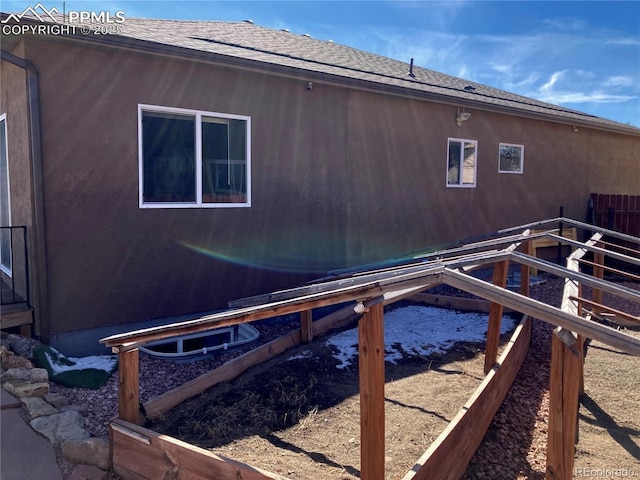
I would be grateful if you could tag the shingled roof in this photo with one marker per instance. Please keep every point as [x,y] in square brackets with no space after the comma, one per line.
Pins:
[282,52]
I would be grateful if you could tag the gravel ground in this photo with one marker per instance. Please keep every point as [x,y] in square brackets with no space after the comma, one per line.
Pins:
[515,445]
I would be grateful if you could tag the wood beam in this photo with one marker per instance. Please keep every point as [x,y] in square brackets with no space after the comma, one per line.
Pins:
[598,272]
[564,389]
[500,271]
[140,454]
[525,271]
[585,279]
[128,388]
[161,404]
[608,253]
[542,311]
[371,372]
[306,326]
[598,308]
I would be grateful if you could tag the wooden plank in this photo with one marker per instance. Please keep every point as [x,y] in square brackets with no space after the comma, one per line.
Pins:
[243,315]
[544,242]
[598,307]
[449,455]
[622,273]
[16,319]
[555,445]
[547,313]
[306,326]
[585,279]
[608,253]
[371,374]
[128,388]
[598,272]
[161,404]
[454,303]
[565,385]
[525,271]
[339,318]
[420,278]
[140,453]
[500,271]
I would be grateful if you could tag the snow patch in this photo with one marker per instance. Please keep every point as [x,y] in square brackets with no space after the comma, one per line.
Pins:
[419,330]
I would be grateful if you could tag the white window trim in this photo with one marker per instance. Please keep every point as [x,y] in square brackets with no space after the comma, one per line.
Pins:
[521,158]
[475,166]
[198,114]
[8,270]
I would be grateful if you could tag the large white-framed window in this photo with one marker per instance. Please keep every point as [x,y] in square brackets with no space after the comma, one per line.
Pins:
[462,162]
[193,159]
[5,198]
[511,158]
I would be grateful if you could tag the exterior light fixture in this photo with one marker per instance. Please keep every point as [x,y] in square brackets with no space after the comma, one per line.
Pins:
[575,129]
[462,117]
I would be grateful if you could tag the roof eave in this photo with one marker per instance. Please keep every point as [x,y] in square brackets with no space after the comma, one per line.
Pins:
[138,45]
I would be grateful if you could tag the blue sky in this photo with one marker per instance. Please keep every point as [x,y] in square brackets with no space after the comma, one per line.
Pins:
[584,55]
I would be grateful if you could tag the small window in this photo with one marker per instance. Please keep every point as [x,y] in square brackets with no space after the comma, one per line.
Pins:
[511,158]
[461,163]
[193,159]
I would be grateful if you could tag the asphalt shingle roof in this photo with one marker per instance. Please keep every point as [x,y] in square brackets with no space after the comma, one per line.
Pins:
[301,53]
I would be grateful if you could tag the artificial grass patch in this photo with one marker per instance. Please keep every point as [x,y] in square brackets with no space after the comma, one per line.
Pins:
[74,372]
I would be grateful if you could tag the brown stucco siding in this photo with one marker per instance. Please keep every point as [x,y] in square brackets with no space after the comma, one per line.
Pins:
[340,177]
[13,103]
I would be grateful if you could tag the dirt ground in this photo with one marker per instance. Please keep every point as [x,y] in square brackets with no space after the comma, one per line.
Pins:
[609,414]
[300,418]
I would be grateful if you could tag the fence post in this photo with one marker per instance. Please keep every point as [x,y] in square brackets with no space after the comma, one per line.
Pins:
[500,271]
[128,387]
[371,373]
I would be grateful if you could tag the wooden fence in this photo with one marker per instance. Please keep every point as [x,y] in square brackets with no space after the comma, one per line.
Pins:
[617,212]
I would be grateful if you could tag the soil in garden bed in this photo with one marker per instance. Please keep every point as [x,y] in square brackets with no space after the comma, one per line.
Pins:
[298,415]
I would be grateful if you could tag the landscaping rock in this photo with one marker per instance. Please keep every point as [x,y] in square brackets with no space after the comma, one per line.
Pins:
[56,399]
[37,407]
[81,409]
[22,345]
[91,451]
[33,375]
[61,427]
[5,350]
[22,388]
[88,472]
[17,362]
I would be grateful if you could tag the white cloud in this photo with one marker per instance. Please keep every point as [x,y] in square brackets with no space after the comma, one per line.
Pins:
[583,97]
[618,81]
[566,24]
[568,86]
[555,77]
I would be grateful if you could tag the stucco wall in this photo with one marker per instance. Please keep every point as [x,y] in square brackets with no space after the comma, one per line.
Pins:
[13,103]
[340,177]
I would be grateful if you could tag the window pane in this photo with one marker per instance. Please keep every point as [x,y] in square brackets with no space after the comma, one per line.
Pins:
[224,173]
[168,158]
[453,167]
[510,158]
[469,168]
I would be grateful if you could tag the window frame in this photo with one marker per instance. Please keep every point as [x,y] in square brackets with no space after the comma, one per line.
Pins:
[4,157]
[198,160]
[460,183]
[521,169]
